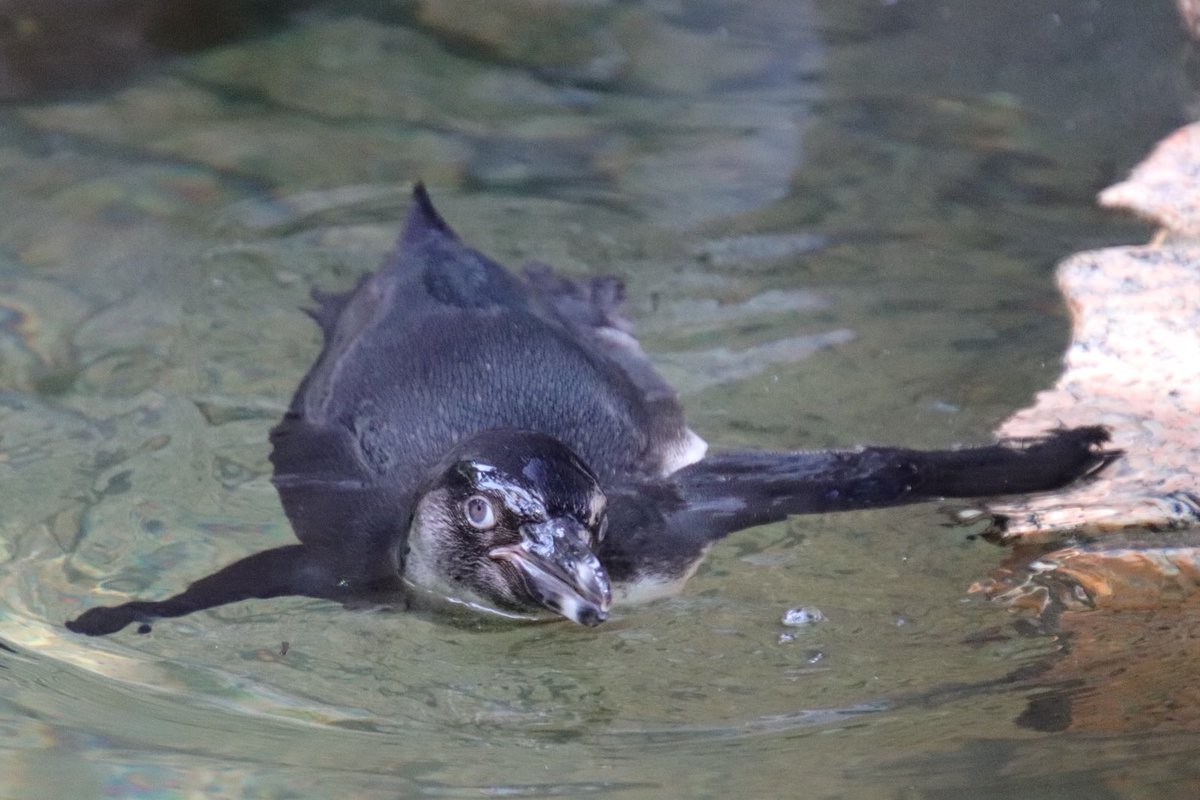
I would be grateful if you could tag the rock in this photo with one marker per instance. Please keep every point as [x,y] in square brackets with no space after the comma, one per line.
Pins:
[1133,365]
[1165,188]
[567,39]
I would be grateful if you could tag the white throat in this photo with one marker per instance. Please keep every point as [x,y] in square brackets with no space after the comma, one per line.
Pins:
[422,566]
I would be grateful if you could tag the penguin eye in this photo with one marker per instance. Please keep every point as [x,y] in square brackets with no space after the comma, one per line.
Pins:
[479,513]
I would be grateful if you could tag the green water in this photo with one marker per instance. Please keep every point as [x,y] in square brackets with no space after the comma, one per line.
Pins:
[838,223]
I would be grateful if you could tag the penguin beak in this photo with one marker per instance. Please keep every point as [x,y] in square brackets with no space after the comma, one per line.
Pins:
[559,570]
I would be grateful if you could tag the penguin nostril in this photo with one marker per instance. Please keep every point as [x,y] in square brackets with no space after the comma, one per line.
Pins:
[592,617]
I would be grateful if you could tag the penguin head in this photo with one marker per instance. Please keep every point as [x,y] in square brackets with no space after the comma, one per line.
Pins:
[511,520]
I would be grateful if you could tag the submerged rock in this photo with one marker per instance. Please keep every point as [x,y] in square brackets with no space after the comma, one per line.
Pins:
[53,46]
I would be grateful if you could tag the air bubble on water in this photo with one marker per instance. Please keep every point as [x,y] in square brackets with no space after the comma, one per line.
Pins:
[802,617]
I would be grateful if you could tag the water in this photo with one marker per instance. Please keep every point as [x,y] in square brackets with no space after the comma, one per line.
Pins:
[838,223]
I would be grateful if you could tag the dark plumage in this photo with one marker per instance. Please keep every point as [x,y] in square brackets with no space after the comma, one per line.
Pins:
[505,443]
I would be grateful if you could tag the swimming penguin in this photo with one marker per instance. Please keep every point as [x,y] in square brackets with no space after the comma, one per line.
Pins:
[505,444]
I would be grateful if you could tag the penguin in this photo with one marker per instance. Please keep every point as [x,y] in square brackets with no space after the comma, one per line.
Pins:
[503,443]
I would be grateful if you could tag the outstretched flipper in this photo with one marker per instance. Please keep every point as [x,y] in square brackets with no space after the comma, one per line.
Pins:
[283,571]
[727,492]
[677,519]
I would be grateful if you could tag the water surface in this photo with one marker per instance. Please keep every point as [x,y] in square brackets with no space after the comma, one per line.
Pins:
[838,223]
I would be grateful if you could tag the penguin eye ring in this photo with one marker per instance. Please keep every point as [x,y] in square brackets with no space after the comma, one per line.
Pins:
[479,513]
